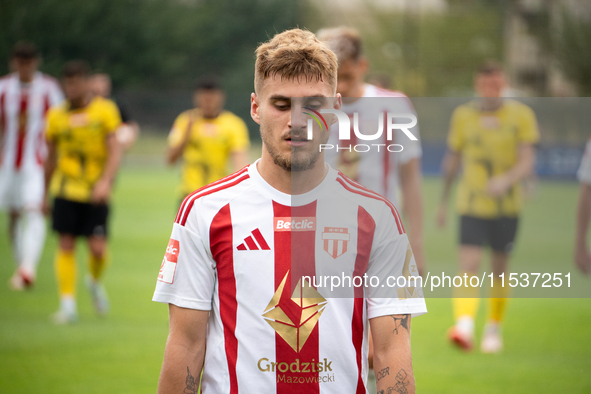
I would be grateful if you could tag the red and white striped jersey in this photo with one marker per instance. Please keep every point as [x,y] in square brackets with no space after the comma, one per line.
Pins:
[242,250]
[22,119]
[376,170]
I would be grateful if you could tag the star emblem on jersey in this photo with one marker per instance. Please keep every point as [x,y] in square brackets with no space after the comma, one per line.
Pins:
[294,317]
[335,240]
[255,241]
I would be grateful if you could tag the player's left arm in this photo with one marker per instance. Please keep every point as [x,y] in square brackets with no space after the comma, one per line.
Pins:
[526,158]
[102,188]
[528,136]
[412,203]
[392,361]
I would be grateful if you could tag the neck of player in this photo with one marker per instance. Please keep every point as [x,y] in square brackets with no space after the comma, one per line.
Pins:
[291,182]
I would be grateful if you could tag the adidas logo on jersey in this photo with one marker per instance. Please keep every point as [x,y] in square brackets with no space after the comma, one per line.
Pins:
[255,241]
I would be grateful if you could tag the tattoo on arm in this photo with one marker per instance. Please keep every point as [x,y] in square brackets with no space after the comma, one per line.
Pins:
[381,374]
[400,322]
[401,383]
[191,385]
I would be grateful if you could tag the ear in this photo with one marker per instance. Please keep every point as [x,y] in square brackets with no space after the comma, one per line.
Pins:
[254,108]
[337,103]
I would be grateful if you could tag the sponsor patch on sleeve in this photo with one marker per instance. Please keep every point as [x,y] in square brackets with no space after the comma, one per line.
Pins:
[168,267]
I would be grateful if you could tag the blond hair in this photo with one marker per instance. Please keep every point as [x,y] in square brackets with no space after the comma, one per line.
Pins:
[295,54]
[344,41]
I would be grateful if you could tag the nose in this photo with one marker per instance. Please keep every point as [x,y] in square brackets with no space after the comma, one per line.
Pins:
[298,120]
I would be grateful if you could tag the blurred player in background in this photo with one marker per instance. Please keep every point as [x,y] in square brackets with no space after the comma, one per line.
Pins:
[83,159]
[206,137]
[582,255]
[128,132]
[383,172]
[494,139]
[25,97]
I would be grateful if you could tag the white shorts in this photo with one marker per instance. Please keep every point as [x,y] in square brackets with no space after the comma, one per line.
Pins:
[21,189]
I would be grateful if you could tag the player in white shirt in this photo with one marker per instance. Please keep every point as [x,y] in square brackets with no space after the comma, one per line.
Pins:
[234,274]
[388,173]
[582,255]
[25,97]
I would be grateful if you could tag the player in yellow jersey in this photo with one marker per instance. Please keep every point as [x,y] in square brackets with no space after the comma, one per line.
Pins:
[206,137]
[83,159]
[494,139]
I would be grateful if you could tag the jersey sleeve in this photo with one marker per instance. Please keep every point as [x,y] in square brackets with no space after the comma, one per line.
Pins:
[584,172]
[390,259]
[455,138]
[112,118]
[528,132]
[187,277]
[239,140]
[179,127]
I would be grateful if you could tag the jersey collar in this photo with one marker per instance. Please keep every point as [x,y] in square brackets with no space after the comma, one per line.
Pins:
[288,199]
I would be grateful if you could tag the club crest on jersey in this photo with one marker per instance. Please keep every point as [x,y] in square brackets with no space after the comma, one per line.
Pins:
[168,267]
[294,317]
[335,240]
[294,224]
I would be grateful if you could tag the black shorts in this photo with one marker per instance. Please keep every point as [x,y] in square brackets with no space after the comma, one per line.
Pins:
[79,219]
[499,233]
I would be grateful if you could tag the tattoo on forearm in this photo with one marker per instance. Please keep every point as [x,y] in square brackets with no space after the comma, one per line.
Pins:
[400,322]
[381,374]
[401,383]
[191,385]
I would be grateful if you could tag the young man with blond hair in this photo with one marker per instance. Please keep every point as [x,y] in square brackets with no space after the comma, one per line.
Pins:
[240,245]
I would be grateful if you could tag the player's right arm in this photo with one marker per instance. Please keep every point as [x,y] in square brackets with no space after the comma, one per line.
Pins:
[186,283]
[179,136]
[185,351]
[450,165]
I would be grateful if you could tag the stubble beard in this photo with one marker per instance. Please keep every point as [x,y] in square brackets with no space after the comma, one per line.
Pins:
[296,161]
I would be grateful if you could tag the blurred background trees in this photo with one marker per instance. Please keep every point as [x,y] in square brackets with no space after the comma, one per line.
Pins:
[155,49]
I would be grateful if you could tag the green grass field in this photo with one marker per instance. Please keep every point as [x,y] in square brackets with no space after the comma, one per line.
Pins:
[548,341]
